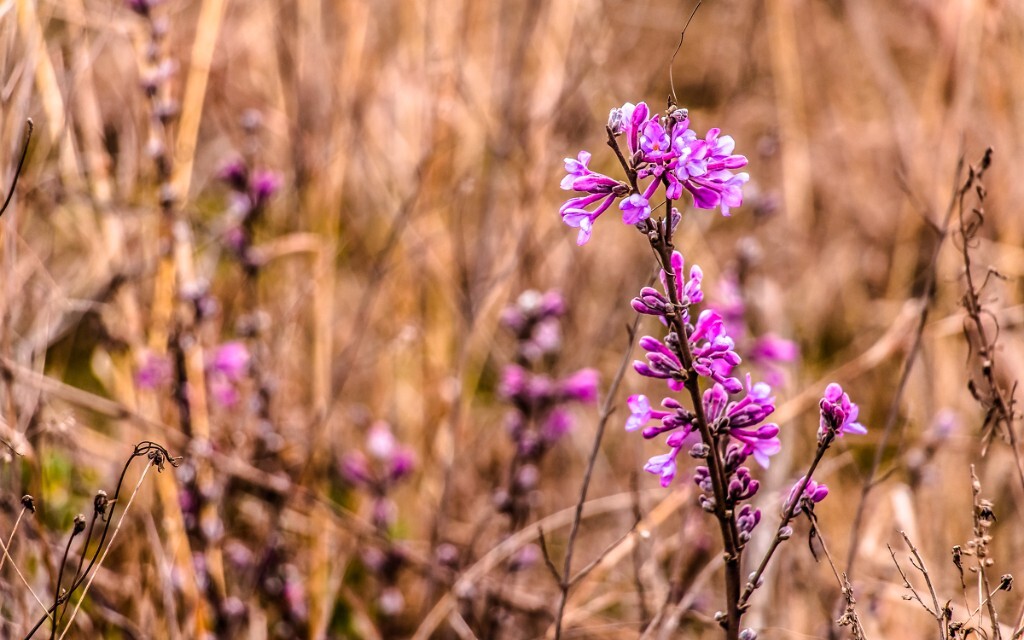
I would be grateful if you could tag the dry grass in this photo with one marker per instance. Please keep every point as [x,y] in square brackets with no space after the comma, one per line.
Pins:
[421,145]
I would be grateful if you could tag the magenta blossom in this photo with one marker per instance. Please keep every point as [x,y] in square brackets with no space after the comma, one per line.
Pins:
[602,192]
[662,151]
[231,360]
[154,371]
[713,351]
[580,386]
[688,292]
[812,494]
[744,419]
[838,414]
[641,412]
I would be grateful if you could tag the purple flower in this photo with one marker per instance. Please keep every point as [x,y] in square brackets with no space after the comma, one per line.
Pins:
[655,303]
[742,485]
[641,412]
[746,519]
[663,466]
[635,208]
[601,191]
[813,493]
[580,386]
[235,173]
[838,414]
[557,423]
[663,150]
[153,372]
[741,417]
[231,360]
[688,291]
[355,468]
[619,117]
[265,183]
[713,351]
[661,363]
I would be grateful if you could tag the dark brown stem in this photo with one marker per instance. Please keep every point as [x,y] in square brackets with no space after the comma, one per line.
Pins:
[716,466]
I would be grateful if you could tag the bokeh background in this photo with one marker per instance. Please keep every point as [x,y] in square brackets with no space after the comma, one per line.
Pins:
[419,146]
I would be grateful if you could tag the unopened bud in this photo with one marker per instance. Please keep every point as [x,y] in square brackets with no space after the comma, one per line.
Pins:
[700,450]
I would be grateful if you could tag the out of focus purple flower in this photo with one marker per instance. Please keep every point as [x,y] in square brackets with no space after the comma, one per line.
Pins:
[380,442]
[580,386]
[534,320]
[391,602]
[838,414]
[525,558]
[235,173]
[513,381]
[265,184]
[383,512]
[142,7]
[154,371]
[813,493]
[384,463]
[944,424]
[557,423]
[223,391]
[231,360]
[355,468]
[402,463]
[768,352]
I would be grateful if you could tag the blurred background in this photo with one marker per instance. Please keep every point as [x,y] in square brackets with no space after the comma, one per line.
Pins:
[262,233]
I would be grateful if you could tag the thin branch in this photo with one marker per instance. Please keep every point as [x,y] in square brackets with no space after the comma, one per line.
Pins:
[6,555]
[606,412]
[92,575]
[892,417]
[672,61]
[849,617]
[29,126]
[917,562]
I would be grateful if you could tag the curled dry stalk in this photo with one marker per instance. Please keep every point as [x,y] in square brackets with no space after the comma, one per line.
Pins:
[978,548]
[941,614]
[997,401]
[157,456]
